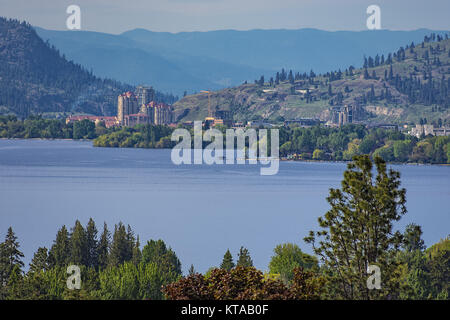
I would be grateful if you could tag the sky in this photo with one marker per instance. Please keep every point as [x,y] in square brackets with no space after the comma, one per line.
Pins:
[117,16]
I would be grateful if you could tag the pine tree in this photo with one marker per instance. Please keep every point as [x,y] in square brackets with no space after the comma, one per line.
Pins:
[137,255]
[40,260]
[14,287]
[165,258]
[244,259]
[121,246]
[103,248]
[10,257]
[366,74]
[358,230]
[227,262]
[291,77]
[78,245]
[91,244]
[191,270]
[60,252]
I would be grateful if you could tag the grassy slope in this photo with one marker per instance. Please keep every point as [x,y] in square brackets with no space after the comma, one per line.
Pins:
[250,100]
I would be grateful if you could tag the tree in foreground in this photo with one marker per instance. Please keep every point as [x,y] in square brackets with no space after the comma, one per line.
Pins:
[227,262]
[242,283]
[164,257]
[358,231]
[10,262]
[244,259]
[289,256]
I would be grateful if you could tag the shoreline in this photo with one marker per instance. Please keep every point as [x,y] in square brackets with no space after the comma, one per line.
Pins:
[281,159]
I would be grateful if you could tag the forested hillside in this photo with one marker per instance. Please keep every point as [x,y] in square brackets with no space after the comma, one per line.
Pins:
[36,78]
[409,85]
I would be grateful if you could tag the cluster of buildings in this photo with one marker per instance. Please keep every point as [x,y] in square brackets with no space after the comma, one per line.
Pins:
[140,108]
[134,108]
[428,129]
[341,115]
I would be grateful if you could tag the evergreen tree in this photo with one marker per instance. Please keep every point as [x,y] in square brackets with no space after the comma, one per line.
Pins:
[78,245]
[103,248]
[10,258]
[412,238]
[60,252]
[291,77]
[227,262]
[91,244]
[358,230]
[261,81]
[137,255]
[121,250]
[165,258]
[14,287]
[191,270]
[40,260]
[244,259]
[366,74]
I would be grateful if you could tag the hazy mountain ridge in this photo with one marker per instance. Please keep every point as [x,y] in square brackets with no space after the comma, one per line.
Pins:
[194,61]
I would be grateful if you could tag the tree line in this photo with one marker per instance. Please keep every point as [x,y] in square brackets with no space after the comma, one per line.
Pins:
[113,265]
[324,143]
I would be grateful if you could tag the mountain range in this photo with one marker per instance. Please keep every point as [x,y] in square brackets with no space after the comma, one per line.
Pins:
[194,61]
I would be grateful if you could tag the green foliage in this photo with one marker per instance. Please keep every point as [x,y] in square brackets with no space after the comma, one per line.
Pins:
[84,129]
[126,277]
[10,263]
[350,140]
[165,258]
[121,249]
[142,136]
[357,231]
[227,262]
[40,261]
[134,282]
[244,259]
[287,257]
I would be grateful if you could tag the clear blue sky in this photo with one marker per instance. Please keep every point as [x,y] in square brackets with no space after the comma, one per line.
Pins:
[116,16]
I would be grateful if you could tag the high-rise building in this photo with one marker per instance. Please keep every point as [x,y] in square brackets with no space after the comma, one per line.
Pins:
[149,110]
[342,115]
[126,104]
[130,112]
[144,95]
[163,114]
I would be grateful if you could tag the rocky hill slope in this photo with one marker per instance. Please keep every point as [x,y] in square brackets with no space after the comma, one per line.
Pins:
[404,86]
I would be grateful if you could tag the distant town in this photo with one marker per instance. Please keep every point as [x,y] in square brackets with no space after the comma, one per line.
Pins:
[140,107]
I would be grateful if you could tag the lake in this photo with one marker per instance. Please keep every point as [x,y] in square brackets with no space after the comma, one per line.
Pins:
[198,210]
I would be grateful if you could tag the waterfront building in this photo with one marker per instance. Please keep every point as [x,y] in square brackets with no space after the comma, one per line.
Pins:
[127,104]
[144,95]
